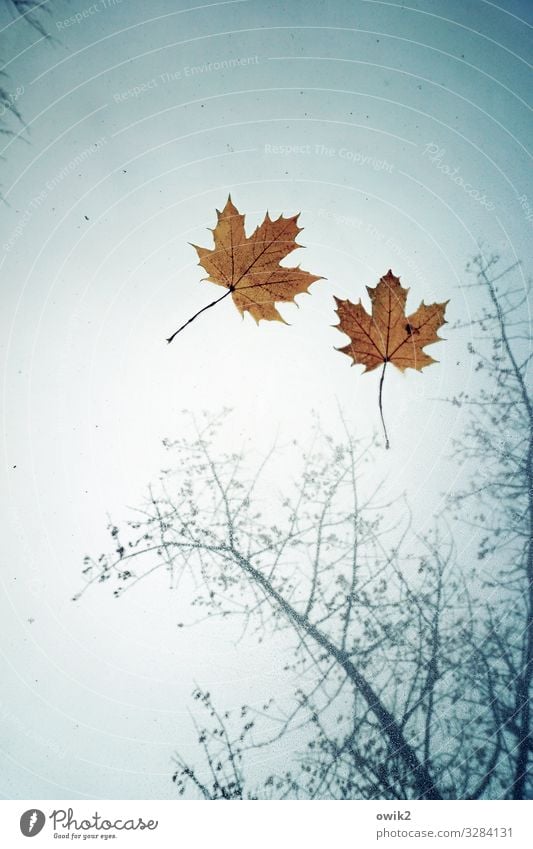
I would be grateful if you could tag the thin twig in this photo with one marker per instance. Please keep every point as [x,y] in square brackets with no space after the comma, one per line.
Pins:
[212,304]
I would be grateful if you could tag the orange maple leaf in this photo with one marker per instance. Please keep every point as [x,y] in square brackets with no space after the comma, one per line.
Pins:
[249,266]
[388,335]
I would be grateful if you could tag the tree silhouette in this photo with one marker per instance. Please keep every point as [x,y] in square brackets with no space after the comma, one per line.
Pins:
[410,667]
[29,11]
[498,448]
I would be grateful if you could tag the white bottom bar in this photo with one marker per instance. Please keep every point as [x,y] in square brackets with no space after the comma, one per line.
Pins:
[264,824]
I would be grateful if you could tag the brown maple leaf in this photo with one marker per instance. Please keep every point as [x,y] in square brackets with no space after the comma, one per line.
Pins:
[248,267]
[388,335]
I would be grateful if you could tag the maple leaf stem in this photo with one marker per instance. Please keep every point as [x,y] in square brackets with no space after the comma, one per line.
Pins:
[387,443]
[212,304]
